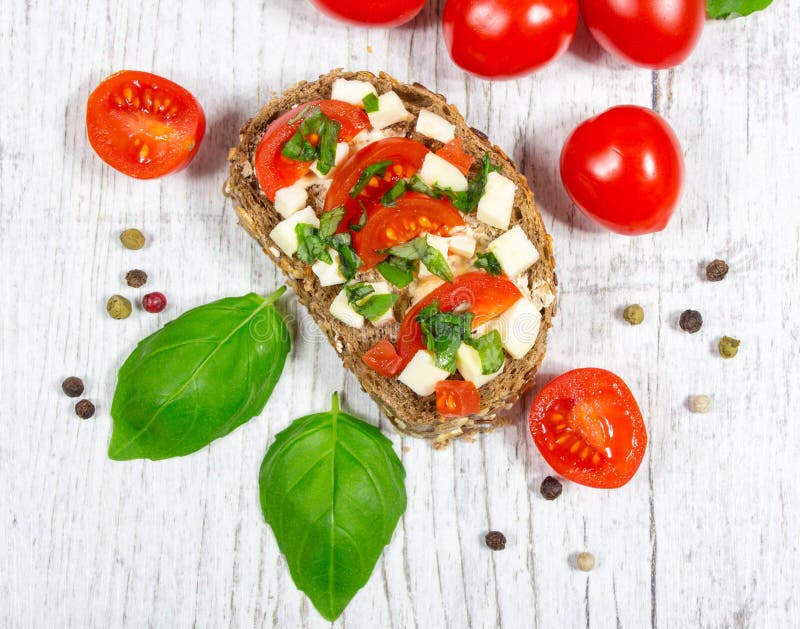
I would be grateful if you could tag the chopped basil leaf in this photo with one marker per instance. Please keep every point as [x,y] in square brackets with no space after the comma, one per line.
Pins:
[358,291]
[376,306]
[490,349]
[397,271]
[371,104]
[468,201]
[349,261]
[411,250]
[329,221]
[299,149]
[311,247]
[394,193]
[313,243]
[327,146]
[443,333]
[377,169]
[299,116]
[490,263]
[419,249]
[357,227]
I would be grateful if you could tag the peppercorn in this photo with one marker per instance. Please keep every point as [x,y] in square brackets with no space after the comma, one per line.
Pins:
[691,321]
[717,270]
[495,540]
[551,488]
[633,314]
[700,403]
[132,239]
[728,347]
[136,278]
[118,307]
[585,561]
[154,302]
[84,409]
[72,386]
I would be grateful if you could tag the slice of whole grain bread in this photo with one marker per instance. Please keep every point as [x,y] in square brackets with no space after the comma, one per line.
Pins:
[409,413]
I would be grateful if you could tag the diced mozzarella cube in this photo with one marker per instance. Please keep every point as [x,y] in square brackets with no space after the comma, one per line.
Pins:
[290,199]
[514,251]
[424,287]
[497,201]
[440,244]
[283,233]
[468,363]
[438,171]
[421,374]
[518,327]
[342,150]
[434,126]
[390,111]
[462,245]
[352,92]
[382,288]
[329,274]
[342,310]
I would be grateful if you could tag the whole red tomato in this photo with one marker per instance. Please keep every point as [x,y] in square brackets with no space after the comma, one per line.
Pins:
[650,33]
[378,13]
[624,168]
[503,39]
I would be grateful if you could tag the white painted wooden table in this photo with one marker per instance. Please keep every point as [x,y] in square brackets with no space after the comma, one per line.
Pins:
[706,535]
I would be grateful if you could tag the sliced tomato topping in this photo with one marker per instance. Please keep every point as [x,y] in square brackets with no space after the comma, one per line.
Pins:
[144,125]
[588,427]
[383,358]
[273,170]
[413,214]
[456,155]
[457,398]
[406,157]
[487,297]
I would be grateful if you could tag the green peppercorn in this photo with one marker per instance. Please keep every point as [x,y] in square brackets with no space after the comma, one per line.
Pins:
[118,307]
[132,239]
[728,347]
[633,314]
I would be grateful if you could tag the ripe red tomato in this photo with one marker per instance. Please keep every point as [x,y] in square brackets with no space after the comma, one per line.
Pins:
[650,33]
[144,125]
[455,154]
[503,39]
[588,427]
[273,170]
[624,168]
[457,398]
[383,13]
[383,358]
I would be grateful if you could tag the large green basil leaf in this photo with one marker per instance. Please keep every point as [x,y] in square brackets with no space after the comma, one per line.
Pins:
[332,490]
[199,377]
[719,9]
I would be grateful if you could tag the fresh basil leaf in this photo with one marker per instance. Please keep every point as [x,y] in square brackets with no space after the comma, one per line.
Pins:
[378,169]
[299,116]
[327,146]
[394,193]
[435,192]
[436,263]
[299,149]
[397,271]
[349,261]
[443,333]
[468,202]
[358,291]
[489,262]
[329,221]
[373,308]
[310,246]
[198,378]
[357,227]
[371,103]
[721,9]
[490,349]
[332,489]
[411,250]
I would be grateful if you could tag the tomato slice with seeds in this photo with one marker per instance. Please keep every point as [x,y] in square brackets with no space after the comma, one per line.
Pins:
[588,427]
[455,154]
[487,297]
[406,157]
[457,398]
[383,358]
[144,125]
[413,214]
[273,170]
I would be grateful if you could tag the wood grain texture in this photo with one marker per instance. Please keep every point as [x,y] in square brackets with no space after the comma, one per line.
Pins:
[707,533]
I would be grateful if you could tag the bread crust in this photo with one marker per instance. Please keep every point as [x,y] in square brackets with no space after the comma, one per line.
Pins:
[409,413]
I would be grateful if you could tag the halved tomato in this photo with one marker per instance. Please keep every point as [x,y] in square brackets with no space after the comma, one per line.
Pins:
[273,170]
[588,427]
[144,125]
[457,398]
[412,215]
[486,297]
[383,358]
[455,154]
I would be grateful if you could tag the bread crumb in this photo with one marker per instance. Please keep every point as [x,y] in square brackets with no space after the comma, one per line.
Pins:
[231,153]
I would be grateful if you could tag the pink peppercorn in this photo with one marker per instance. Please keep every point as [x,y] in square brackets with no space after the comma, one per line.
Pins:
[154,302]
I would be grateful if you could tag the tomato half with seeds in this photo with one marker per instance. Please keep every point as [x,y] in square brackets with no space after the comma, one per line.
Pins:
[144,125]
[457,398]
[456,155]
[383,358]
[412,215]
[483,295]
[588,427]
[273,170]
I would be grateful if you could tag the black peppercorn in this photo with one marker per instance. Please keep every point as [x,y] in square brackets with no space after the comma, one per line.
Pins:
[136,278]
[551,488]
[495,540]
[717,270]
[691,321]
[84,409]
[72,386]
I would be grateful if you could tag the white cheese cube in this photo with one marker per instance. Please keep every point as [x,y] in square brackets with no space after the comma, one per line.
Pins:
[514,251]
[291,199]
[438,171]
[382,288]
[342,150]
[462,245]
[352,92]
[468,363]
[329,274]
[421,374]
[284,235]
[518,327]
[390,111]
[434,126]
[342,310]
[497,201]
[440,244]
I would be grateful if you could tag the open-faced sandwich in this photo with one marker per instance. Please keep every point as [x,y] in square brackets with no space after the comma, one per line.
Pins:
[414,243]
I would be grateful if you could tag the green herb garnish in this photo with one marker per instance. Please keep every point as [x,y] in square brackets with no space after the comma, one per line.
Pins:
[327,146]
[419,249]
[721,9]
[490,263]
[358,291]
[490,349]
[330,220]
[397,271]
[377,169]
[394,193]
[364,302]
[349,261]
[371,103]
[443,333]
[313,243]
[467,200]
[357,227]
[310,245]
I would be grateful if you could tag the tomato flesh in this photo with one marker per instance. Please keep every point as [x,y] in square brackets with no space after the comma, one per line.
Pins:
[375,13]
[273,170]
[455,154]
[144,125]
[588,427]
[457,398]
[383,358]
